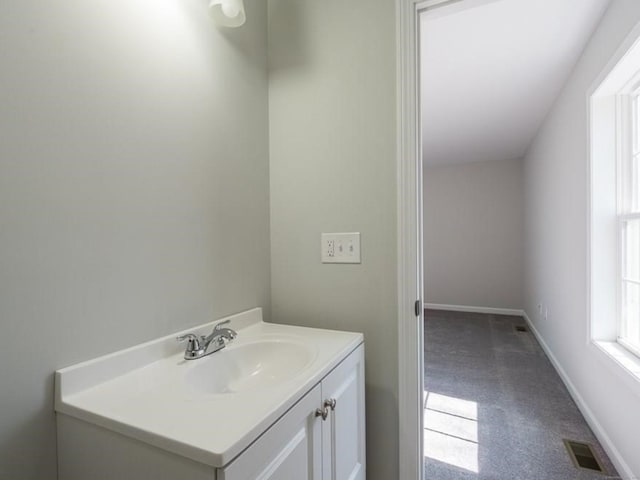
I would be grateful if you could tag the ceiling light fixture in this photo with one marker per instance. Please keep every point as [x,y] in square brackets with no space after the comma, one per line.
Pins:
[228,13]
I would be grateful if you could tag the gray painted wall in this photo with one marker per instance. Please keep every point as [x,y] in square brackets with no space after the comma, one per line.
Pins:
[332,141]
[473,234]
[134,195]
[556,205]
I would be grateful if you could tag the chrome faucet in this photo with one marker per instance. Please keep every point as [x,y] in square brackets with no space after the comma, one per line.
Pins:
[198,347]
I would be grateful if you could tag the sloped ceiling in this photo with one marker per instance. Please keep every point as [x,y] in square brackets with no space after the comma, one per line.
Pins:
[491,70]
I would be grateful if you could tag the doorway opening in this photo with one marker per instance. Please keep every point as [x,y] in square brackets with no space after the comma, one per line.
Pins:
[483,75]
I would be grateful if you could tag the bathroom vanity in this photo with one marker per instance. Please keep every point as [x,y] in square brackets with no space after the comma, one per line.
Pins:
[278,402]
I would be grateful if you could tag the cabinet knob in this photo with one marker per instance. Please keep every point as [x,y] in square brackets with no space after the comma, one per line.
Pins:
[322,412]
[330,403]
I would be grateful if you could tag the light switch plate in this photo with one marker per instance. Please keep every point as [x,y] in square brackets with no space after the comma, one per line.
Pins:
[340,247]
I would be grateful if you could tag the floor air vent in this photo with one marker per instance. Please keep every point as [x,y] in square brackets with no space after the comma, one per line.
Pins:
[583,456]
[521,328]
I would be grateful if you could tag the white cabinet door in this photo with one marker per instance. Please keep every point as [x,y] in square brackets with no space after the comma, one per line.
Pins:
[303,446]
[343,432]
[289,449]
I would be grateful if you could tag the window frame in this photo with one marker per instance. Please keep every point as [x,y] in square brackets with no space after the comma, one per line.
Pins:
[603,247]
[628,196]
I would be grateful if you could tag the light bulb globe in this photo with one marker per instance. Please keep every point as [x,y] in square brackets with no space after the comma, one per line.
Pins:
[228,13]
[230,9]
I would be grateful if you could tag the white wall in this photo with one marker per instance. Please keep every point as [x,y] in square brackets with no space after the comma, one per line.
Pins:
[473,234]
[332,141]
[133,190]
[555,172]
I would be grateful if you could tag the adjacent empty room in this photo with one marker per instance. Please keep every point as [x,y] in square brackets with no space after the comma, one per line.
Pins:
[510,327]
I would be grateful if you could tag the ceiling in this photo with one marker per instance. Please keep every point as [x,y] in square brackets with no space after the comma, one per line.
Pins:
[491,70]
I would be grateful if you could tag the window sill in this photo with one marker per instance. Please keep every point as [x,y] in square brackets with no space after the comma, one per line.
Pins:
[625,361]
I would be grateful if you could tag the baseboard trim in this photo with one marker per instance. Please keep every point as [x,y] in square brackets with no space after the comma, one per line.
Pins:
[468,308]
[598,430]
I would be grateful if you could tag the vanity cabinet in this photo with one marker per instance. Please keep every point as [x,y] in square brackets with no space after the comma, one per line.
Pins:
[280,402]
[322,437]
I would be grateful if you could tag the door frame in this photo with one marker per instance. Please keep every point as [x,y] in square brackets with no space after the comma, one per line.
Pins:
[410,266]
[410,237]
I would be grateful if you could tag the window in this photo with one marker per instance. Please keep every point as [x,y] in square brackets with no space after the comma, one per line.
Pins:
[614,189]
[628,185]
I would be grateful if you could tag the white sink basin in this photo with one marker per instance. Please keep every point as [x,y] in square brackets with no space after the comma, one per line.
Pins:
[249,366]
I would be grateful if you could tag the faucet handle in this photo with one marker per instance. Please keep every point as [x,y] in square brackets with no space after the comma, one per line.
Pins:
[219,325]
[194,342]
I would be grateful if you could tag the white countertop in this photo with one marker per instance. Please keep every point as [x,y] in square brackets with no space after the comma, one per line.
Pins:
[141,393]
